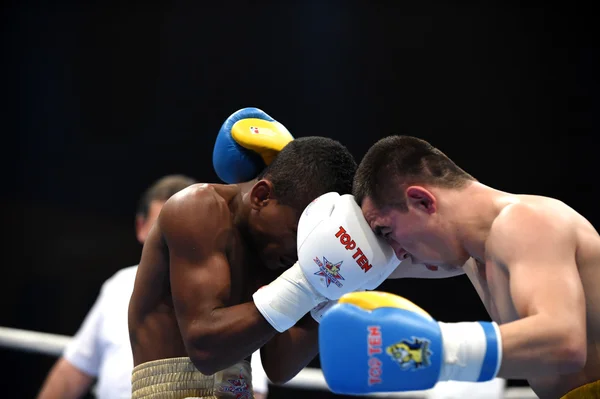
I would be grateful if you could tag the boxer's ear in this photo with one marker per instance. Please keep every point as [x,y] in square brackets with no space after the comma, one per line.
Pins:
[261,193]
[421,199]
[140,231]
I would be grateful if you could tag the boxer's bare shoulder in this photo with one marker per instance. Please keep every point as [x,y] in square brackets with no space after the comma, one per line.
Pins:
[518,240]
[528,218]
[536,222]
[200,213]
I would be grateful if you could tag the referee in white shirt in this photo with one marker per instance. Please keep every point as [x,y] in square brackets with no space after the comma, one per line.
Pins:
[101,347]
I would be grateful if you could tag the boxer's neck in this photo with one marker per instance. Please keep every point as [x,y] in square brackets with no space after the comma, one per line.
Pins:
[240,206]
[473,210]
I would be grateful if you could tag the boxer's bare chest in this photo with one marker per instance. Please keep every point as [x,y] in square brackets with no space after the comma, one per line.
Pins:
[491,281]
[241,263]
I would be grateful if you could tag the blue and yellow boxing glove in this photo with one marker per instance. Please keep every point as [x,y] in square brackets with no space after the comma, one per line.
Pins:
[247,142]
[379,342]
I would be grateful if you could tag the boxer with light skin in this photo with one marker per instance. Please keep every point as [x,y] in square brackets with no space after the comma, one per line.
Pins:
[534,261]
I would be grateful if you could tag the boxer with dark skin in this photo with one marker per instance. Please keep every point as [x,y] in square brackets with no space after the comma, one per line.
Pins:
[213,246]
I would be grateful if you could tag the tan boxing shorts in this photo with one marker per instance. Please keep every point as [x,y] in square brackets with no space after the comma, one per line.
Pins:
[178,378]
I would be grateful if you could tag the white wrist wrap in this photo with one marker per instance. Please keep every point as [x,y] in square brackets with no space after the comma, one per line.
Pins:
[287,299]
[466,353]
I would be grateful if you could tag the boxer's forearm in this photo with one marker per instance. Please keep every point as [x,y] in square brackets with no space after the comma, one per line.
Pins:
[286,354]
[539,346]
[229,335]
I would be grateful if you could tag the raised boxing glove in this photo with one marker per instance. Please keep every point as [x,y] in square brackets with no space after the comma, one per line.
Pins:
[247,142]
[318,311]
[370,260]
[337,254]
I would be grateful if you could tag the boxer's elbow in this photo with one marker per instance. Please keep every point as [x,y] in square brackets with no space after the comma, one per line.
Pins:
[206,362]
[278,375]
[571,354]
[569,346]
[279,369]
[210,359]
[205,353]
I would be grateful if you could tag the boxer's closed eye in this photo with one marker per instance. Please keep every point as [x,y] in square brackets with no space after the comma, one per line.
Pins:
[382,231]
[377,231]
[385,232]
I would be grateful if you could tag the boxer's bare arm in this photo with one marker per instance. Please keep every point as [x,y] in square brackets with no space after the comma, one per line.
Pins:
[286,354]
[197,230]
[538,248]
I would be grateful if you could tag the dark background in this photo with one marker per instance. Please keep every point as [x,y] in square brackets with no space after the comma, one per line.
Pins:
[101,99]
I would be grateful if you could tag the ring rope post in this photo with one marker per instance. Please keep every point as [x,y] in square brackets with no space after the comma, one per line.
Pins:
[308,378]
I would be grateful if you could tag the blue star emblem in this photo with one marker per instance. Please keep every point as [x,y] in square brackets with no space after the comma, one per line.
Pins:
[329,270]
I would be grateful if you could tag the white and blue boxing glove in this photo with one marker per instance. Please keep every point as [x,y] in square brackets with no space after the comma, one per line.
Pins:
[247,142]
[379,342]
[337,253]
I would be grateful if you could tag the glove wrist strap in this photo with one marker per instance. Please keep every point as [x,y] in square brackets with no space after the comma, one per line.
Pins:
[472,351]
[287,299]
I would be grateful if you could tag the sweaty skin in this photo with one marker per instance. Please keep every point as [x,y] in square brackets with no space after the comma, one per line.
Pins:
[193,290]
[536,267]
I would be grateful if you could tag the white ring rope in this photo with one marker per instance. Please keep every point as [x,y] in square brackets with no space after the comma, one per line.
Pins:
[33,341]
[309,378]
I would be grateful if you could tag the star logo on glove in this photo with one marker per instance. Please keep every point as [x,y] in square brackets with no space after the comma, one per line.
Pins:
[238,387]
[330,271]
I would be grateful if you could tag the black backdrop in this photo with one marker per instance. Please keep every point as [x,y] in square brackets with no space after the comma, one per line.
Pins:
[101,99]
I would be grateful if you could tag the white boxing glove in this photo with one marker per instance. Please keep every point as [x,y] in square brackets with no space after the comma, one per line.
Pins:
[341,254]
[378,280]
[337,253]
